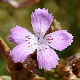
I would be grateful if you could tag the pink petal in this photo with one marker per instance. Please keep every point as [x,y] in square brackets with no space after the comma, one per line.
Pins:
[41,21]
[21,51]
[59,40]
[20,35]
[47,57]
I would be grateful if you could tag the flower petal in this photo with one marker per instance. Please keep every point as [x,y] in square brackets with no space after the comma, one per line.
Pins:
[58,40]
[21,51]
[47,57]
[41,21]
[20,35]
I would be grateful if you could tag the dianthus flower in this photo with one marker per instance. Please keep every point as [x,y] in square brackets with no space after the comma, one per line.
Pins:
[28,42]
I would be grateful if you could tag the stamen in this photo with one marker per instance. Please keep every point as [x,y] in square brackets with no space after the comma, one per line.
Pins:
[45,48]
[29,43]
[40,50]
[49,39]
[38,38]
[49,42]
[27,36]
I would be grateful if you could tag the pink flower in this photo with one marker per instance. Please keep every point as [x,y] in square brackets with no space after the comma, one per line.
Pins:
[28,42]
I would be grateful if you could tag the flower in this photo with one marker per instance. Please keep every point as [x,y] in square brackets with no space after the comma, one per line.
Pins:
[28,42]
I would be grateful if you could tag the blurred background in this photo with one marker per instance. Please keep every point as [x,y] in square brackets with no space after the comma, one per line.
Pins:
[18,12]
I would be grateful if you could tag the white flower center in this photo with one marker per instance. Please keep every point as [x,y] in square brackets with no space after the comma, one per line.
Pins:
[40,40]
